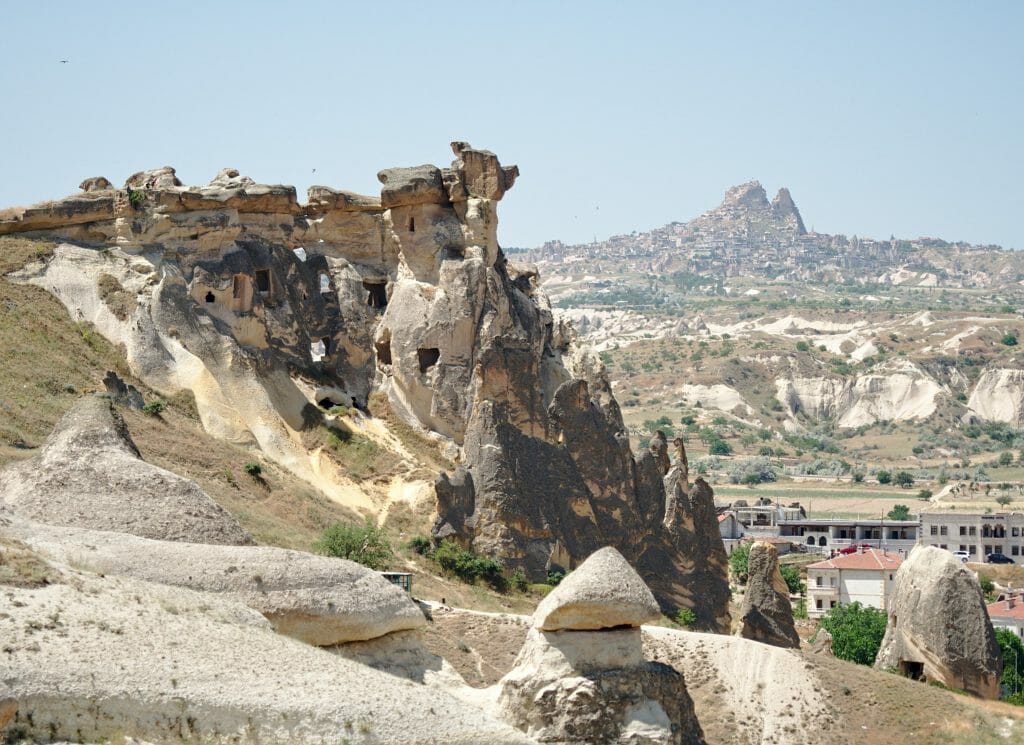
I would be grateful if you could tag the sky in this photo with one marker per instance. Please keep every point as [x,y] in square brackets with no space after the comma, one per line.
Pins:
[882,118]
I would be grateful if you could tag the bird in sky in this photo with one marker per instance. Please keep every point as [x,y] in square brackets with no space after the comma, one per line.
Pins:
[63,61]
[314,170]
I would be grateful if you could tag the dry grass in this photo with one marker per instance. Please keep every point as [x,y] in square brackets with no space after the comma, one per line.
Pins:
[21,567]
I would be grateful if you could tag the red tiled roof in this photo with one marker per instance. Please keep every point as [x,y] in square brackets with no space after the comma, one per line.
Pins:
[872,558]
[1001,609]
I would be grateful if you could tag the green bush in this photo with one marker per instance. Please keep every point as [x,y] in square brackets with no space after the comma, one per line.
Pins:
[739,562]
[685,617]
[517,580]
[155,407]
[802,346]
[903,479]
[924,494]
[1005,458]
[365,544]
[800,610]
[884,477]
[421,545]
[136,197]
[555,578]
[468,565]
[792,577]
[254,469]
[720,447]
[1010,339]
[900,511]
[1012,650]
[856,630]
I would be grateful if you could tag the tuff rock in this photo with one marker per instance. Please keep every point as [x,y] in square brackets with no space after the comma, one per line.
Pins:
[938,627]
[767,615]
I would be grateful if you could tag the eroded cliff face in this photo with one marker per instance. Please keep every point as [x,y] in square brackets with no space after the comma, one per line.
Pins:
[271,312]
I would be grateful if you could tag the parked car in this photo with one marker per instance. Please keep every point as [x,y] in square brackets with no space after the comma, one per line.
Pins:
[998,559]
[962,555]
[854,548]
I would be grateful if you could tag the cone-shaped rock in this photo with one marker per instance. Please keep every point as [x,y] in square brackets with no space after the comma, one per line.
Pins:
[601,593]
[767,615]
[938,626]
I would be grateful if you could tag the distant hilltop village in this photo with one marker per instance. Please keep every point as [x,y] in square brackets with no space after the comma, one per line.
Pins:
[749,235]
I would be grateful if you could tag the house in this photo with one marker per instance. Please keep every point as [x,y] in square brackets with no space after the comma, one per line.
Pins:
[1008,613]
[865,577]
[976,533]
[731,531]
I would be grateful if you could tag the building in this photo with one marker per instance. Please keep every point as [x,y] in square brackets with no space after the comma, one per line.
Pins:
[1008,613]
[831,534]
[865,577]
[976,533]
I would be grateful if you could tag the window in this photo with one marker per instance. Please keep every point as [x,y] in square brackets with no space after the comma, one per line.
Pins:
[263,280]
[963,530]
[963,547]
[890,578]
[943,530]
[818,604]
[973,530]
[972,550]
[820,581]
[988,548]
[376,293]
[412,225]
[429,357]
[1015,532]
[210,298]
[934,530]
[1015,551]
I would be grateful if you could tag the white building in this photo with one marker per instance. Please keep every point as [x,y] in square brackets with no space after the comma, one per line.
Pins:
[976,533]
[865,577]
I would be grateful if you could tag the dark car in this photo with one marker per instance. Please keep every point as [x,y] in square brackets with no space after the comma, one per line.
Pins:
[998,559]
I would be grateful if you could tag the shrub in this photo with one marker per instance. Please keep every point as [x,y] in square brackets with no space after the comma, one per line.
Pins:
[136,197]
[365,544]
[903,479]
[468,565]
[800,610]
[884,477]
[802,346]
[421,545]
[155,407]
[254,469]
[987,586]
[856,630]
[1010,339]
[752,471]
[685,617]
[517,580]
[924,494]
[1005,458]
[555,578]
[720,447]
[739,562]
[858,476]
[1003,499]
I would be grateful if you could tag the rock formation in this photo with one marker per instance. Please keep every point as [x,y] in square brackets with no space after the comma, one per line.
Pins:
[89,474]
[316,599]
[767,615]
[938,626]
[94,659]
[572,683]
[270,311]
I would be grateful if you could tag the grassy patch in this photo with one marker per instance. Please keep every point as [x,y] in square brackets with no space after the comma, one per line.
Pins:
[21,567]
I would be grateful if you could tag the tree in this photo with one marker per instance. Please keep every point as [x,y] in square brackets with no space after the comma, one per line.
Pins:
[903,479]
[857,632]
[899,512]
[739,562]
[1013,665]
[365,544]
[1005,458]
[884,477]
[719,447]
[792,576]
[1004,499]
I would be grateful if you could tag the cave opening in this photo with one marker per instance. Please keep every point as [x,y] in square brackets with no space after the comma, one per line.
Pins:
[263,280]
[210,298]
[376,293]
[912,670]
[412,224]
[327,344]
[383,348]
[428,358]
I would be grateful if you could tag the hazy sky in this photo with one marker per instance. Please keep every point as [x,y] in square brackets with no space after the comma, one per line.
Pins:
[889,117]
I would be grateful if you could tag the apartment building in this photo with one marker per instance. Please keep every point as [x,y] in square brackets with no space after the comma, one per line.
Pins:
[865,577]
[976,533]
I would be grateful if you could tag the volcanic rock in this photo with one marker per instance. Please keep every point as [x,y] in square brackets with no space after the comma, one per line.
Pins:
[939,627]
[767,615]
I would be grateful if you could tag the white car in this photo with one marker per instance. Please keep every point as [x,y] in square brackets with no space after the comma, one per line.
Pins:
[962,555]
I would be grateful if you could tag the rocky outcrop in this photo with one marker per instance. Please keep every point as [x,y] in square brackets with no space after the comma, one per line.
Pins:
[767,615]
[897,391]
[270,311]
[575,684]
[89,474]
[998,396]
[938,625]
[316,599]
[603,593]
[91,659]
